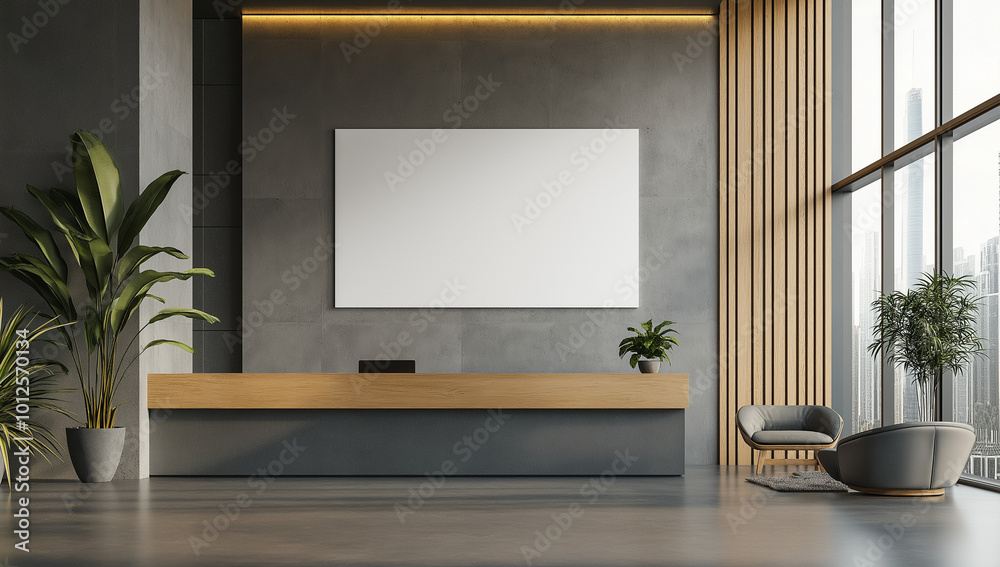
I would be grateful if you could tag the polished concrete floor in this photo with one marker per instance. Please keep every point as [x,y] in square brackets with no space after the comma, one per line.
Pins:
[711,516]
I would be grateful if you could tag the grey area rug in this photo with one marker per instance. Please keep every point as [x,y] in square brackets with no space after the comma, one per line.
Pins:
[801,481]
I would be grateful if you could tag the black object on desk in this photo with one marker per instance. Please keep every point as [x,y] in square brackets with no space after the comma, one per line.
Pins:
[387,366]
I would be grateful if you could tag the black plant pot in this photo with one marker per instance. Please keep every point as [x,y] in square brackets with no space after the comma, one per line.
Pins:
[95,452]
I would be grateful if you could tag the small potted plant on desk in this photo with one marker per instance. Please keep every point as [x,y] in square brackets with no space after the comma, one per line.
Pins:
[648,347]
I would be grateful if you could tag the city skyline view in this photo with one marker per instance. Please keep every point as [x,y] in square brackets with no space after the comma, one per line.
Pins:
[975,182]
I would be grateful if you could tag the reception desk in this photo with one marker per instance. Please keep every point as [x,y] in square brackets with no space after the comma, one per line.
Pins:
[414,424]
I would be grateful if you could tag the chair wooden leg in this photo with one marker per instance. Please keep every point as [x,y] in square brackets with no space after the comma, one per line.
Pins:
[760,461]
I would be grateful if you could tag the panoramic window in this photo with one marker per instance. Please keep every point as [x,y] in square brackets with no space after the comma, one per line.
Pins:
[942,60]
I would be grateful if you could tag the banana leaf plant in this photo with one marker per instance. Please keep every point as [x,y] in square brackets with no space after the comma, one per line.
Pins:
[29,386]
[101,234]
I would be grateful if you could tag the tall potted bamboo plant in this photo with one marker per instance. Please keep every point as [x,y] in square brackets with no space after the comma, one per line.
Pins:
[927,329]
[101,233]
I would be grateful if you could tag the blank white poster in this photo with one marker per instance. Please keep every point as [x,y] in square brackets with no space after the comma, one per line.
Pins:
[486,218]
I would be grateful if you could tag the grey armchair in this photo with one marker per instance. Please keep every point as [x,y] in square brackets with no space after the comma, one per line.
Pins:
[788,428]
[906,459]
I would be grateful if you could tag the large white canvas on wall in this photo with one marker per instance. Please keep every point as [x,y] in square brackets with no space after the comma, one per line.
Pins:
[486,218]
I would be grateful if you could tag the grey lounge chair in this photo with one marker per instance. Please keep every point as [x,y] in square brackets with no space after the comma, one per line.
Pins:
[906,459]
[788,428]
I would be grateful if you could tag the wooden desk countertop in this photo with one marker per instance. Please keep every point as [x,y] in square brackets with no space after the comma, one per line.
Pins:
[418,391]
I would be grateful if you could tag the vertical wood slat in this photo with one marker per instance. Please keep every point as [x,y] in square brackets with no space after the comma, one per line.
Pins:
[810,201]
[757,196]
[827,181]
[744,210]
[774,209]
[768,268]
[731,275]
[801,208]
[725,410]
[819,167]
[780,199]
[791,200]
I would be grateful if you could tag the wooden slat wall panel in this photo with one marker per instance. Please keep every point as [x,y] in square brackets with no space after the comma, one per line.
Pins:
[774,209]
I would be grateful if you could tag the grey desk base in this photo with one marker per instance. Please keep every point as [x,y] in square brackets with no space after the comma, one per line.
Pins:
[417,442]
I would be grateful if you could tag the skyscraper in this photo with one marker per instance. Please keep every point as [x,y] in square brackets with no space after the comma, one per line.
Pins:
[867,388]
[964,265]
[907,402]
[915,192]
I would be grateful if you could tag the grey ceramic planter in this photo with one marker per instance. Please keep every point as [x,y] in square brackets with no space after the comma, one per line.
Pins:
[649,366]
[95,452]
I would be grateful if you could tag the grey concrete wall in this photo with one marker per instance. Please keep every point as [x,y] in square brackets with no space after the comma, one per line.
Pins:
[123,84]
[61,78]
[165,144]
[217,199]
[320,75]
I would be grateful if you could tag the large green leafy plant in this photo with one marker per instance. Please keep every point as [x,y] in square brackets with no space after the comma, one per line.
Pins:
[101,233]
[28,386]
[928,328]
[650,343]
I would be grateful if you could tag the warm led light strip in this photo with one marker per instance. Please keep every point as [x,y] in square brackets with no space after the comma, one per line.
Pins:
[480,14]
[483,11]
